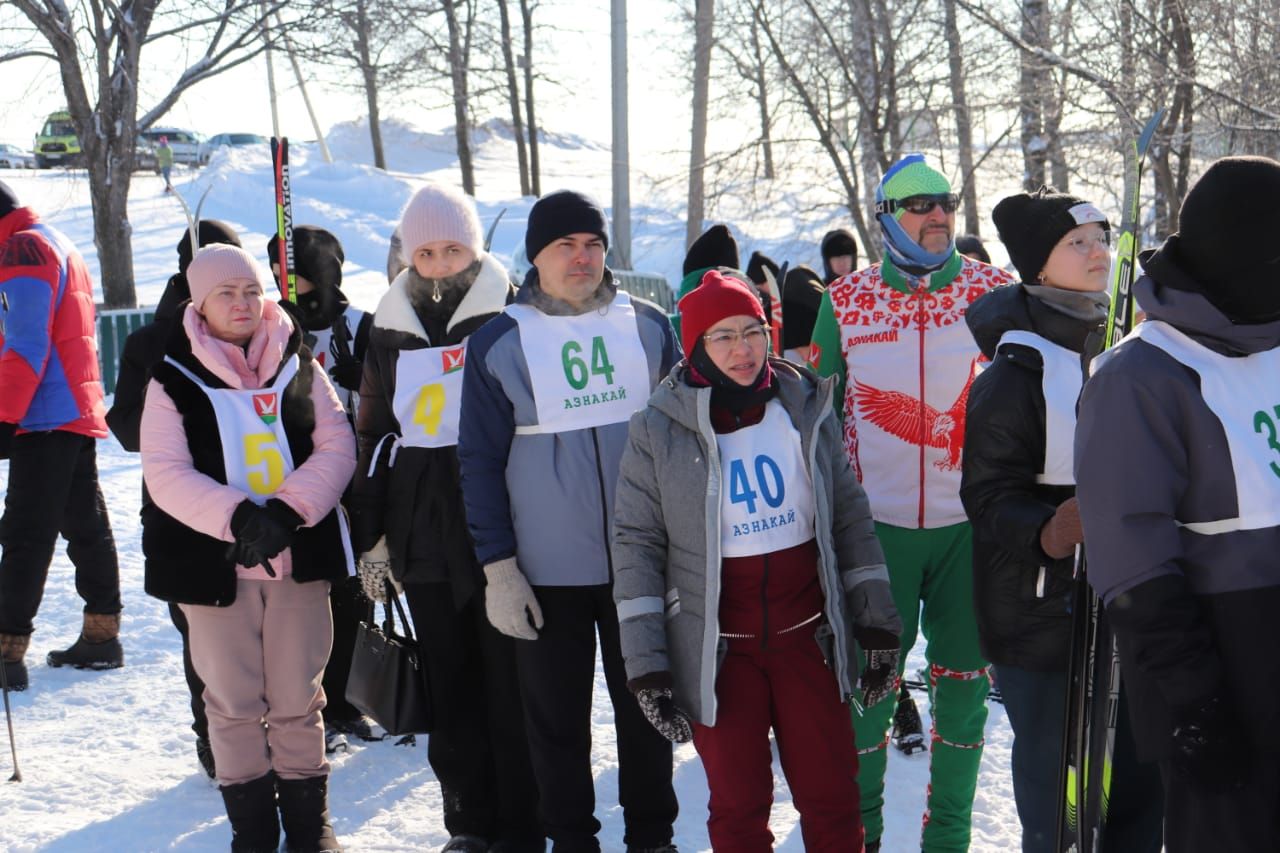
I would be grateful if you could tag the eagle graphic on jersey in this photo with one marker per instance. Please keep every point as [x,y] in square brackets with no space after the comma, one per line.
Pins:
[916,421]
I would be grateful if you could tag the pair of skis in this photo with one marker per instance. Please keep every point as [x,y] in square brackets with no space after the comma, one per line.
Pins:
[284,218]
[1093,683]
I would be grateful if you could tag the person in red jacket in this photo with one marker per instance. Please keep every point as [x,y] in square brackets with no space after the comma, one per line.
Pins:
[51,405]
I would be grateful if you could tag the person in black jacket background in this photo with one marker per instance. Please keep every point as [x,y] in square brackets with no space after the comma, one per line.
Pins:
[1019,492]
[143,350]
[407,515]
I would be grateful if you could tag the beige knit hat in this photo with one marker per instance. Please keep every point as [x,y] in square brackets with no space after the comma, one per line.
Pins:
[219,262]
[439,213]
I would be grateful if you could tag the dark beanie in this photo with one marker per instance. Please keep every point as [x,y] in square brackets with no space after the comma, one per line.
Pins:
[317,255]
[1227,237]
[801,295]
[1031,224]
[8,200]
[559,214]
[715,247]
[839,242]
[209,231]
[972,246]
[718,295]
[758,264]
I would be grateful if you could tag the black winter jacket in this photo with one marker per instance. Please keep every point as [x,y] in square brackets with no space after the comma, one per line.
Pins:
[417,501]
[1021,595]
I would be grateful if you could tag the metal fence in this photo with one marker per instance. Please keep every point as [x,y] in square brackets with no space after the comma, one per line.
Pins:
[113,327]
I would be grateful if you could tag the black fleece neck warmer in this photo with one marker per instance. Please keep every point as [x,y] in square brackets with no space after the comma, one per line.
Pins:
[725,392]
[436,300]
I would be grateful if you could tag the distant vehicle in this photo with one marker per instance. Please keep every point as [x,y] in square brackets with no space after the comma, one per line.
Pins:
[233,139]
[144,157]
[57,143]
[185,143]
[13,157]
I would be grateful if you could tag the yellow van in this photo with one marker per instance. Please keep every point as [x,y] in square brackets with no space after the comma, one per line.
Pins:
[57,143]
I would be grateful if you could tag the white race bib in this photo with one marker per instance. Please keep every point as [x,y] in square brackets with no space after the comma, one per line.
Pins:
[428,395]
[1244,394]
[766,496]
[255,450]
[588,370]
[1062,380]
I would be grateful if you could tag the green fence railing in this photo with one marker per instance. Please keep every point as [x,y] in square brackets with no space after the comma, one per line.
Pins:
[114,326]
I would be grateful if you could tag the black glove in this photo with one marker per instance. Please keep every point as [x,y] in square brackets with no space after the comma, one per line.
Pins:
[1206,745]
[347,372]
[262,532]
[653,692]
[883,650]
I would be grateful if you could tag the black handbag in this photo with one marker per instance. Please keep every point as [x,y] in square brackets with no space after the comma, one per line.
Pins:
[388,682]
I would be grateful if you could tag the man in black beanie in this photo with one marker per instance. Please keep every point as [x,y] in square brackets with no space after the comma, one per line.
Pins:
[1177,460]
[801,297]
[549,388]
[839,254]
[714,248]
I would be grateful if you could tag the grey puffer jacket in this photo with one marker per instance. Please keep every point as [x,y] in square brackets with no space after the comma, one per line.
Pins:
[666,538]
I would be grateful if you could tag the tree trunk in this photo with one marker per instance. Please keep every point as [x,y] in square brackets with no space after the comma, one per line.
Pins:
[964,129]
[762,101]
[458,73]
[513,96]
[113,236]
[1031,96]
[535,172]
[703,26]
[370,74]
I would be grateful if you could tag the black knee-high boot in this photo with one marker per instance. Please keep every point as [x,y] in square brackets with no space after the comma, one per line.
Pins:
[251,808]
[304,811]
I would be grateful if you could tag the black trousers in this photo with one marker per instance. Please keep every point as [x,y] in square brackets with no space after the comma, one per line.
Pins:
[557,674]
[478,748]
[53,489]
[200,721]
[1243,821]
[349,607]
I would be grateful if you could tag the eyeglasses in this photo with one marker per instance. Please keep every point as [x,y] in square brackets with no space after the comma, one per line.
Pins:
[724,339]
[1083,244]
[920,204]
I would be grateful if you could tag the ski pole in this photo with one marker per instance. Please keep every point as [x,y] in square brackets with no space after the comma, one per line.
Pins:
[8,716]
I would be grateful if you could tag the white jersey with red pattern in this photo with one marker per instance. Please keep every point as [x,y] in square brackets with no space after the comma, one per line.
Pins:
[909,362]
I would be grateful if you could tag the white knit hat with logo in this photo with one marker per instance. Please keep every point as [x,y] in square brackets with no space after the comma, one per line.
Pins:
[439,213]
[218,263]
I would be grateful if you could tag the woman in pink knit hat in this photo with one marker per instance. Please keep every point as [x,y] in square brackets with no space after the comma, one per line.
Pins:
[407,519]
[246,451]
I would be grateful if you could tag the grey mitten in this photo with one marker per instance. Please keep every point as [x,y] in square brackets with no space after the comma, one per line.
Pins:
[661,712]
[509,601]
[374,569]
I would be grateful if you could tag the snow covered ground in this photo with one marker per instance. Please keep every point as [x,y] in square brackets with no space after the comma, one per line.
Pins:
[107,758]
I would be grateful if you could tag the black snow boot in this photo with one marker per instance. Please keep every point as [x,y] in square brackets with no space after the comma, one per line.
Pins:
[908,732]
[12,649]
[251,808]
[304,811]
[98,646]
[465,844]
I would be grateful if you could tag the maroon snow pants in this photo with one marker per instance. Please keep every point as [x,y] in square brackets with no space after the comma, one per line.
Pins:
[787,688]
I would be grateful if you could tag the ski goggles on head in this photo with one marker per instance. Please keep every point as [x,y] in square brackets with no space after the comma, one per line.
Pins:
[920,204]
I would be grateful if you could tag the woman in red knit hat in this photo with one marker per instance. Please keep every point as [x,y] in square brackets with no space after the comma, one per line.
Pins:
[747,572]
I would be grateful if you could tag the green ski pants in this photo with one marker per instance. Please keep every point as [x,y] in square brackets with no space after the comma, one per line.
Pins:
[933,567]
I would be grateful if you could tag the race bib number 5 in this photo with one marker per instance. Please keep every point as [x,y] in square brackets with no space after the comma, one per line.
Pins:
[263,462]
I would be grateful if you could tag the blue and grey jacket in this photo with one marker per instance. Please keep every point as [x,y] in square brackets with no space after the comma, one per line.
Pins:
[544,498]
[1194,608]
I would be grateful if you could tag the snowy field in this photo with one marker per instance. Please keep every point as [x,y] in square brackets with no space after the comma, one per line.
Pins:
[107,758]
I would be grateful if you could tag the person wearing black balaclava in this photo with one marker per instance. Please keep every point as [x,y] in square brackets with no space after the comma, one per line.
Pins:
[1019,493]
[143,349]
[1177,468]
[337,334]
[336,331]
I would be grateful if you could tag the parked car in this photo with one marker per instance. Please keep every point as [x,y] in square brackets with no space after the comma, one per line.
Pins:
[144,157]
[185,143]
[57,143]
[233,139]
[13,157]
